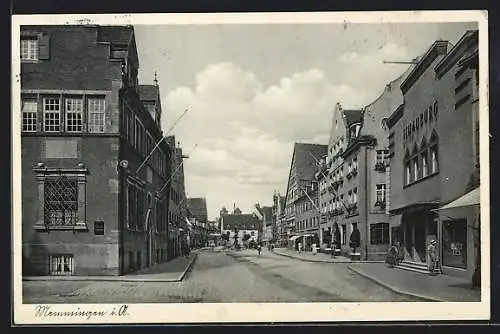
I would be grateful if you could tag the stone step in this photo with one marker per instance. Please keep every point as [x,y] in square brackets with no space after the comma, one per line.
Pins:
[416,270]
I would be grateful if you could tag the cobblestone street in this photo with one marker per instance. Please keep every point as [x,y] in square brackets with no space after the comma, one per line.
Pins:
[224,276]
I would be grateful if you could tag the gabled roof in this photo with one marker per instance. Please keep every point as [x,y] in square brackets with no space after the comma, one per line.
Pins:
[305,156]
[198,207]
[352,116]
[240,221]
[148,92]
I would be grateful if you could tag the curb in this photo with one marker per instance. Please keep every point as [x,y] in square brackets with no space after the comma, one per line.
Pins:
[393,289]
[112,278]
[322,261]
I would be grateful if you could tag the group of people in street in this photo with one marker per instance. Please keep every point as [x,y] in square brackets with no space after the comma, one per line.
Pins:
[395,255]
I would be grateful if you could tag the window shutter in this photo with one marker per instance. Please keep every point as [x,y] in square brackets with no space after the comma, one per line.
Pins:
[44,46]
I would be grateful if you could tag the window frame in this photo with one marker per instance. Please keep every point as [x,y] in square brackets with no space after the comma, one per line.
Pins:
[91,121]
[72,112]
[27,41]
[30,126]
[379,230]
[42,173]
[47,112]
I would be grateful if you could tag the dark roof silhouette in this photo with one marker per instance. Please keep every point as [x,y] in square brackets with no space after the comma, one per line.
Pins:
[241,222]
[115,34]
[305,156]
[353,116]
[198,207]
[148,92]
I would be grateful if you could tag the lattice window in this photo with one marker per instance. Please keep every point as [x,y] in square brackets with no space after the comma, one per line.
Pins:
[381,193]
[74,110]
[30,115]
[60,201]
[96,115]
[61,264]
[29,48]
[52,114]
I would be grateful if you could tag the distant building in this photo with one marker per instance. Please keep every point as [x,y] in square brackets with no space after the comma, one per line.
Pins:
[240,225]
[87,125]
[267,224]
[198,208]
[301,206]
[434,138]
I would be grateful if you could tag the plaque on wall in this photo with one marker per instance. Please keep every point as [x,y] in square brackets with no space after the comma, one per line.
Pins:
[99,227]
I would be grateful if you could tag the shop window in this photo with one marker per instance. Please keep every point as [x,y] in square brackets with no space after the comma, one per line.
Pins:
[454,246]
[379,234]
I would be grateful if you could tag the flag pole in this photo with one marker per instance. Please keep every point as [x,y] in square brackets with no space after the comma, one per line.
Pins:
[175,171]
[158,143]
[330,187]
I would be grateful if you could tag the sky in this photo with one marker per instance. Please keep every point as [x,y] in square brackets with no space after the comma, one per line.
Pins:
[252,90]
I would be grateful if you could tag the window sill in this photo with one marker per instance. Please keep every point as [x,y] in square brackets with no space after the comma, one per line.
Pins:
[420,180]
[61,228]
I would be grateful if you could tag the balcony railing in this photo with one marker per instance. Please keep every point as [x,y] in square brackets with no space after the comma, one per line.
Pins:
[380,167]
[380,204]
[352,209]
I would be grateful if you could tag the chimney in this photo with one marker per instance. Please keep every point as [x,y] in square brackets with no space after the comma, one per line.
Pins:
[155,81]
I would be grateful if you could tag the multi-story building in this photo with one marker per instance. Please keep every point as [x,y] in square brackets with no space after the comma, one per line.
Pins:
[235,226]
[301,208]
[434,158]
[353,177]
[178,214]
[91,203]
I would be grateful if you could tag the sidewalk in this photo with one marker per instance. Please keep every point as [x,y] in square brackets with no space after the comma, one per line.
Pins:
[308,256]
[441,288]
[171,271]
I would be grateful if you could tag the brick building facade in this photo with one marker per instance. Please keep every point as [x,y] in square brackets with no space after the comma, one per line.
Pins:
[85,130]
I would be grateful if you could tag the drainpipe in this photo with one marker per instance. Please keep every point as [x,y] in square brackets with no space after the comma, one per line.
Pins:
[366,201]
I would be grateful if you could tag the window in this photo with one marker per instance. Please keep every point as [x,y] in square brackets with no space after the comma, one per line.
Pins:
[131,206]
[415,168]
[355,195]
[29,115]
[408,172]
[379,234]
[51,114]
[424,164]
[434,159]
[60,201]
[29,48]
[74,109]
[96,115]
[61,264]
[380,193]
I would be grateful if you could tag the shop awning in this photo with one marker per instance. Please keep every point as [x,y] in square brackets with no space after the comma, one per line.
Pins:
[469,199]
[294,237]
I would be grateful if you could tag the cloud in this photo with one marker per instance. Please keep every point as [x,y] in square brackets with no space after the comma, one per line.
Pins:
[245,131]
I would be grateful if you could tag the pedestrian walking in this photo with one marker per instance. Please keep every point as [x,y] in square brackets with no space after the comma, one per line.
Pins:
[355,239]
[433,261]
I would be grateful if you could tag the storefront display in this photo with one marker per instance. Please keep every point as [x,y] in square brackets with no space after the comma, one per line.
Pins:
[454,248]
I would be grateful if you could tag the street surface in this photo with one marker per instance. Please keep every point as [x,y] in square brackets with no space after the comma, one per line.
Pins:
[226,276]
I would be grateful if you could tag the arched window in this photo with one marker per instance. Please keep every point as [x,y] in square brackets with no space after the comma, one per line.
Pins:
[434,153]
